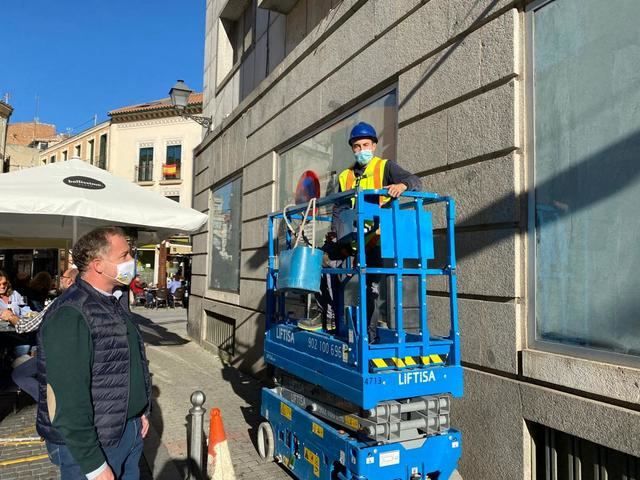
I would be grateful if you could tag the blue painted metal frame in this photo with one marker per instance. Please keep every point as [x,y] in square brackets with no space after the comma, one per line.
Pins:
[341,364]
[313,449]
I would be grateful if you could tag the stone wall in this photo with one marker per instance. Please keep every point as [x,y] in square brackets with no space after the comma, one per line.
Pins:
[458,69]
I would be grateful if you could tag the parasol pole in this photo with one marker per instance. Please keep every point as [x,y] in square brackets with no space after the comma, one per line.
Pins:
[75,230]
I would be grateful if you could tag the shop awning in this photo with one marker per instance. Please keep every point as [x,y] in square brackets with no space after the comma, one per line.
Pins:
[67,199]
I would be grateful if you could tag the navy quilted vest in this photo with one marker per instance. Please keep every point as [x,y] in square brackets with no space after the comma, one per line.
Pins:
[106,319]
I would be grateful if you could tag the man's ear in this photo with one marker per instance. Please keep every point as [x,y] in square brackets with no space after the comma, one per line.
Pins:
[97,265]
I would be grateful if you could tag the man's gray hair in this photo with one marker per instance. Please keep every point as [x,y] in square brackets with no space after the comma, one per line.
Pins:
[93,245]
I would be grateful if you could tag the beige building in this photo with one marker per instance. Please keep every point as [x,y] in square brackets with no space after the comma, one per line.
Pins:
[149,144]
[152,145]
[90,145]
[526,113]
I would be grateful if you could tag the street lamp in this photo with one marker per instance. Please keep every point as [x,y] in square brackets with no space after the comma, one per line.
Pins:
[179,94]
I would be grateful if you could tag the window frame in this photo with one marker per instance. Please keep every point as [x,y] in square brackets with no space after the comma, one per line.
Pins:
[140,149]
[103,153]
[178,163]
[532,342]
[369,100]
[227,295]
[91,147]
[238,22]
[329,123]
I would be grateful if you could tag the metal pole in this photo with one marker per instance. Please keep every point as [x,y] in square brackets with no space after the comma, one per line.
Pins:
[196,442]
[75,230]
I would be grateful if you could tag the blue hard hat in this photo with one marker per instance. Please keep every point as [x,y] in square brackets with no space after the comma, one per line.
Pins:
[363,130]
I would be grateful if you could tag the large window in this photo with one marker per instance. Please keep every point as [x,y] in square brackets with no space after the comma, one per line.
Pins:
[327,153]
[236,36]
[102,153]
[145,164]
[91,144]
[586,91]
[251,42]
[171,169]
[226,218]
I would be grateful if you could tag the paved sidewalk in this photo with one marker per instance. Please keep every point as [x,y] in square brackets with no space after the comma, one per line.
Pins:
[23,460]
[180,367]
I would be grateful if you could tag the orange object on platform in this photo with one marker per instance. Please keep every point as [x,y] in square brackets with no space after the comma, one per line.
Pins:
[216,430]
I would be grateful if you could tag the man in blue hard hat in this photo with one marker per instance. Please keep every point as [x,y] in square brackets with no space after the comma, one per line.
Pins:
[371,172]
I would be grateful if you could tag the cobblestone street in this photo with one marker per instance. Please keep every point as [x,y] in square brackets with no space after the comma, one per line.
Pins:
[179,367]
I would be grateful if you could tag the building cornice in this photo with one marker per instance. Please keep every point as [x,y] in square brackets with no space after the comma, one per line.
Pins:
[5,109]
[151,122]
[166,111]
[78,136]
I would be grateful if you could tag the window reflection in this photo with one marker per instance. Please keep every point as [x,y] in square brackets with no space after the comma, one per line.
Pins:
[587,143]
[226,215]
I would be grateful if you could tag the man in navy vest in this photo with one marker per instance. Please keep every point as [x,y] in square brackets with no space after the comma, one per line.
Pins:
[92,370]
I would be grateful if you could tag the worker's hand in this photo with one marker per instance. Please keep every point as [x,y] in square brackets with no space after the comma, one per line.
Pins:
[396,189]
[106,474]
[145,426]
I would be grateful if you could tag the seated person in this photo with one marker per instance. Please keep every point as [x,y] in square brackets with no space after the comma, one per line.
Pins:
[137,289]
[172,286]
[149,298]
[137,286]
[24,374]
[39,288]
[13,306]
[21,283]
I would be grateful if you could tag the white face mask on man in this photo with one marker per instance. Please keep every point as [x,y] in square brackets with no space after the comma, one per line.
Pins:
[125,272]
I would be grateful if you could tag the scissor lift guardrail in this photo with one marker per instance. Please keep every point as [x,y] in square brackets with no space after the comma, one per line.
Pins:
[398,386]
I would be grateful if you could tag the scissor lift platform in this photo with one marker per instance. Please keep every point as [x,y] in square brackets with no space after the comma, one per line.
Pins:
[406,366]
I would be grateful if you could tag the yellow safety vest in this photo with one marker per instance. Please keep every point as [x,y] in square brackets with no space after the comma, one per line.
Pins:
[372,178]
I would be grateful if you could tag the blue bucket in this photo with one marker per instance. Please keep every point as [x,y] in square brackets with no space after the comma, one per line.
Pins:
[300,270]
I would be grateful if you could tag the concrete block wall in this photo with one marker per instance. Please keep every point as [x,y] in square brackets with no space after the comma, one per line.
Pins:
[457,67]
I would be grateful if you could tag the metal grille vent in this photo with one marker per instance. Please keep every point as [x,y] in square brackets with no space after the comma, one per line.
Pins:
[221,332]
[560,456]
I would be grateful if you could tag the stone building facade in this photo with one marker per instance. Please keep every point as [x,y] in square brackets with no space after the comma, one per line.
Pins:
[524,112]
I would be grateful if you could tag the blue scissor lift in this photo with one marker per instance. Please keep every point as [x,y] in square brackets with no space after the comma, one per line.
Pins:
[347,409]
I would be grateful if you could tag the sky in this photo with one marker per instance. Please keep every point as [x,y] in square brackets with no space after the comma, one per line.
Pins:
[86,57]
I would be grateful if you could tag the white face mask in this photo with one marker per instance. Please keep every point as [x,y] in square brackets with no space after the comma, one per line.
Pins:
[125,272]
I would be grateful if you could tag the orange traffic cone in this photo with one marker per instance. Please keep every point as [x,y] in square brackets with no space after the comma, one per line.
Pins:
[219,465]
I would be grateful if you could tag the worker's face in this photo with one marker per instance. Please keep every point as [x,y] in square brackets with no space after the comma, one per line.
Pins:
[363,144]
[4,285]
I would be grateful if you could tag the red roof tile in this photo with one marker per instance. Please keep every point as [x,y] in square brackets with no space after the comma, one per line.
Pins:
[194,99]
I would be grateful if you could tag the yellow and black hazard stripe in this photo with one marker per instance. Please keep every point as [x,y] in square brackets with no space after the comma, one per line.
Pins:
[395,363]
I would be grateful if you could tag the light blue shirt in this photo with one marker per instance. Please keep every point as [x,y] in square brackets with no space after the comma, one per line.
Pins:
[15,300]
[174,285]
